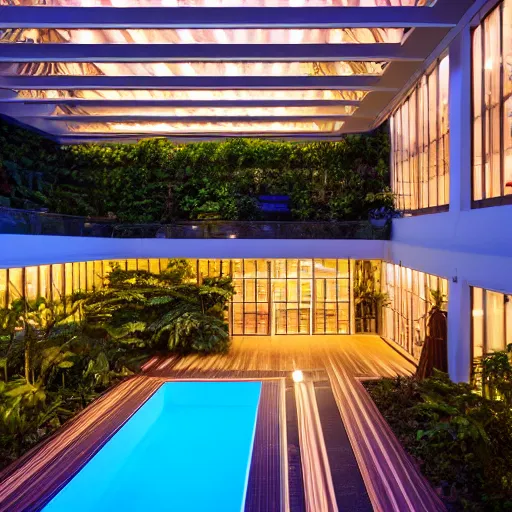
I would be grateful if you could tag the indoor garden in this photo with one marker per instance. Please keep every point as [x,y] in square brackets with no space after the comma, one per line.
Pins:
[57,356]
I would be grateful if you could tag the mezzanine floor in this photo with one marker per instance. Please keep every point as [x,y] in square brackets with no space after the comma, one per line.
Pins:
[320,445]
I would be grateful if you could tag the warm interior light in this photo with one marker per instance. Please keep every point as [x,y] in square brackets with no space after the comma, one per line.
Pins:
[478,312]
[82,110]
[488,64]
[207,94]
[297,376]
[205,127]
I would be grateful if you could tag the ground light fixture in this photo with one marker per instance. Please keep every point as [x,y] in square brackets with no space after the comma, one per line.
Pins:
[297,376]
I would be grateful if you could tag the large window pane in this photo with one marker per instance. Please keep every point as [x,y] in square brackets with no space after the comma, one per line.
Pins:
[492,105]
[477,315]
[405,316]
[495,321]
[420,143]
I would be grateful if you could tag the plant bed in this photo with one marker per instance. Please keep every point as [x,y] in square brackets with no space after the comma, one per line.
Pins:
[58,357]
[461,441]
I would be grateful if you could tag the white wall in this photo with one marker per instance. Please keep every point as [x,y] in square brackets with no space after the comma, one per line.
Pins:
[26,250]
[469,248]
[475,245]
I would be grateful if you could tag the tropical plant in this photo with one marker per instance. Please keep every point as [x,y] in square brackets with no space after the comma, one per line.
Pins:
[461,441]
[493,374]
[161,310]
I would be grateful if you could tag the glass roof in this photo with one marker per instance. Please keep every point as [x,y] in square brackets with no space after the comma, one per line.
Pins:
[221,3]
[244,94]
[66,110]
[53,77]
[203,36]
[345,68]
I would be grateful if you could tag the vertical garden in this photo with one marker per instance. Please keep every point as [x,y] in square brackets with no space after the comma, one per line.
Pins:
[158,181]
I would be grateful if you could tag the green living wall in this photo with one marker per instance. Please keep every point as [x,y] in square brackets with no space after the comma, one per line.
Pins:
[158,181]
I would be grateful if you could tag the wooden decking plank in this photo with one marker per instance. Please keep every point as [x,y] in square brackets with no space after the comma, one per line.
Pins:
[295,481]
[392,480]
[43,471]
[348,483]
[264,485]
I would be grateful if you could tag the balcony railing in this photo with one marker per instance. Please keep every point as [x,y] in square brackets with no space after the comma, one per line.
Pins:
[30,222]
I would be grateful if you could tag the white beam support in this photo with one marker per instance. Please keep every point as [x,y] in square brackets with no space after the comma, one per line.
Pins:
[459,116]
[63,52]
[230,17]
[352,82]
[113,118]
[78,102]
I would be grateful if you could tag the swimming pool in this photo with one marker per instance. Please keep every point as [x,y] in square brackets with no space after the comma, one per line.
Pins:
[187,449]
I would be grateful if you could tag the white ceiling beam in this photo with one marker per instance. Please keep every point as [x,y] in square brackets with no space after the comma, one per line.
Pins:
[353,82]
[51,52]
[446,15]
[91,119]
[27,102]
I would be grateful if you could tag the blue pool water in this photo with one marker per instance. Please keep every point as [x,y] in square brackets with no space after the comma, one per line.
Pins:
[187,449]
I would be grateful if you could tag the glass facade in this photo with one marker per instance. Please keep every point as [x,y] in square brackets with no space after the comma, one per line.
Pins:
[280,296]
[491,321]
[406,315]
[492,105]
[287,296]
[420,144]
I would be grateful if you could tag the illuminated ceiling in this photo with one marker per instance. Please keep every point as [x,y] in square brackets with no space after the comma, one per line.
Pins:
[198,69]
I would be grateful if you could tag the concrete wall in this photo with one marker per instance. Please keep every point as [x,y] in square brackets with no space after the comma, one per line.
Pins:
[26,250]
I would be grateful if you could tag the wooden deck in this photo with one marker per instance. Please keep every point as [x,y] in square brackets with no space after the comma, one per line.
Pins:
[392,481]
[260,356]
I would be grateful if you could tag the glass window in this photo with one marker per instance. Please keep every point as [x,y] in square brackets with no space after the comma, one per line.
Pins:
[491,321]
[3,287]
[477,315]
[98,274]
[154,266]
[420,143]
[494,320]
[492,105]
[31,283]
[58,291]
[409,301]
[68,276]
[44,281]
[15,289]
[143,264]
[83,276]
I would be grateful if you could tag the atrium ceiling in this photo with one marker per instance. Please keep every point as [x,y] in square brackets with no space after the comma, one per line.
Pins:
[99,70]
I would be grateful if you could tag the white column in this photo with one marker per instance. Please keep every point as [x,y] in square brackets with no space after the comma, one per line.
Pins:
[459,117]
[459,112]
[459,331]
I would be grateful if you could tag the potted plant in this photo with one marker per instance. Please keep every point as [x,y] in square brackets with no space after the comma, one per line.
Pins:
[380,217]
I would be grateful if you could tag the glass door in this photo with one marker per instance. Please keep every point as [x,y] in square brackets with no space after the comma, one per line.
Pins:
[250,307]
[291,296]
